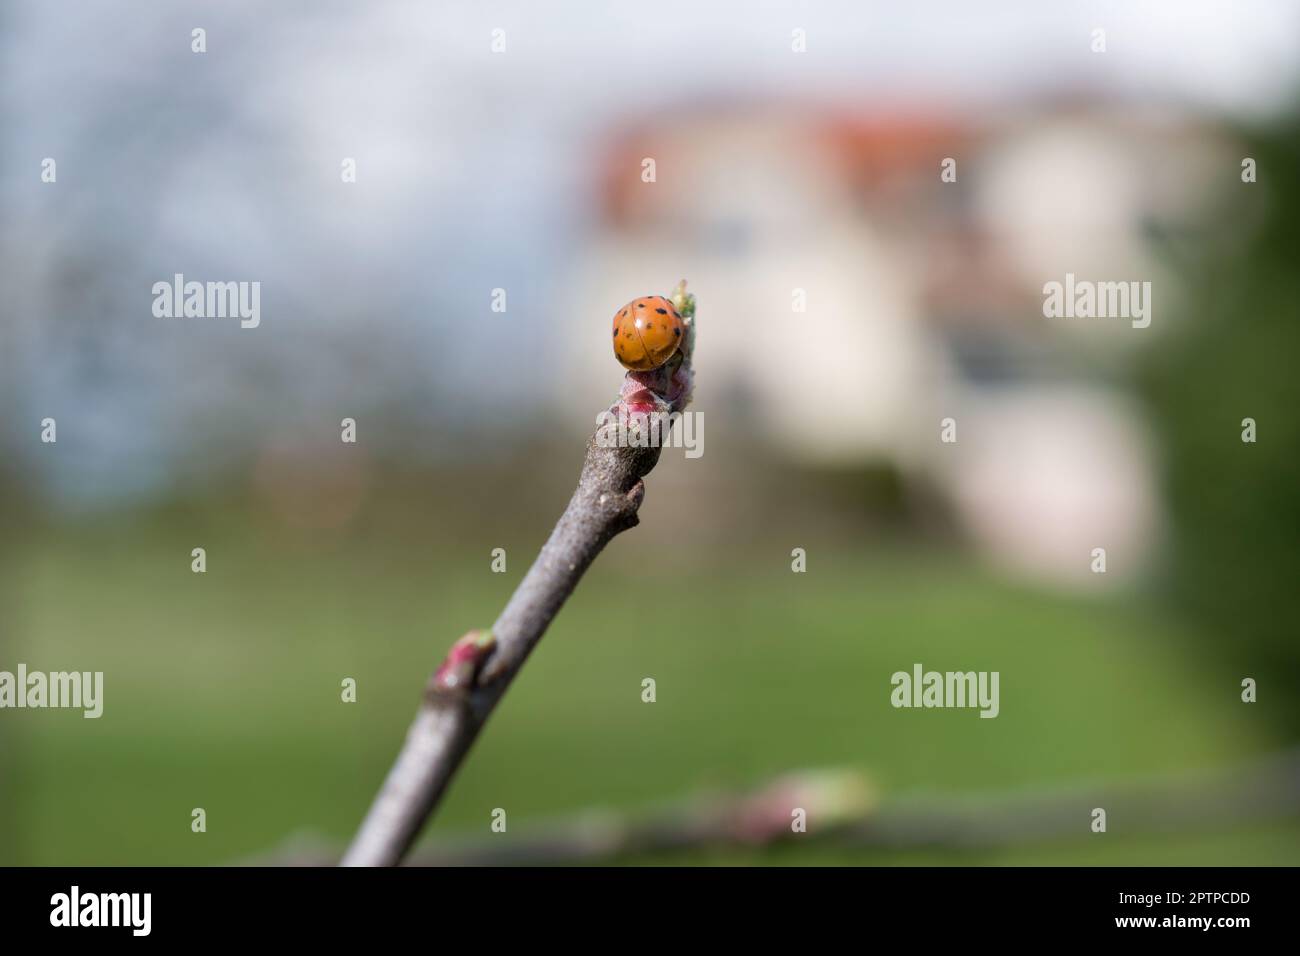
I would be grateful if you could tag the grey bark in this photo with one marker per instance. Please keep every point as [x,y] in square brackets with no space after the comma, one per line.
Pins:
[609,493]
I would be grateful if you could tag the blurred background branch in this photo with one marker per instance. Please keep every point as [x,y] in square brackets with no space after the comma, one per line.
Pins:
[843,812]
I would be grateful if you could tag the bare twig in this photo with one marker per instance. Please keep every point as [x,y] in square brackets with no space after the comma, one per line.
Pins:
[480,666]
[843,814]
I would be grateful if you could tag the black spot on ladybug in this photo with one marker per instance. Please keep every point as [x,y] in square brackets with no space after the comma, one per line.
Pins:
[662,311]
[616,333]
[677,331]
[628,335]
[640,305]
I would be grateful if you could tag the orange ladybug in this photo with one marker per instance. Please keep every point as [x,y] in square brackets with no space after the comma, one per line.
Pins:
[647,332]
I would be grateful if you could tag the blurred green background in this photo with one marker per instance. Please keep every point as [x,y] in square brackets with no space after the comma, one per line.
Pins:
[223,689]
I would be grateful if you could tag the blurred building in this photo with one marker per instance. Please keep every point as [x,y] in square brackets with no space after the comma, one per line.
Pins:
[851,299]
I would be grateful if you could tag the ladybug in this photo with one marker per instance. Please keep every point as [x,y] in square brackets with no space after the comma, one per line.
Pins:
[647,332]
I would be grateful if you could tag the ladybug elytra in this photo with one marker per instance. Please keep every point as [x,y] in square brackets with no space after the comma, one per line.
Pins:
[647,332]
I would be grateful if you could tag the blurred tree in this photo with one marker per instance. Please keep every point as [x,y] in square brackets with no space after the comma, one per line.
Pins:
[1235,565]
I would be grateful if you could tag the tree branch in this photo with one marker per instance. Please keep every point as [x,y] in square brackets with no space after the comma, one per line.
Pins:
[480,666]
[844,814]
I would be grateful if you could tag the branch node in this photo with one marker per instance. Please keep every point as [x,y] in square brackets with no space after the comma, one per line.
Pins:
[458,673]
